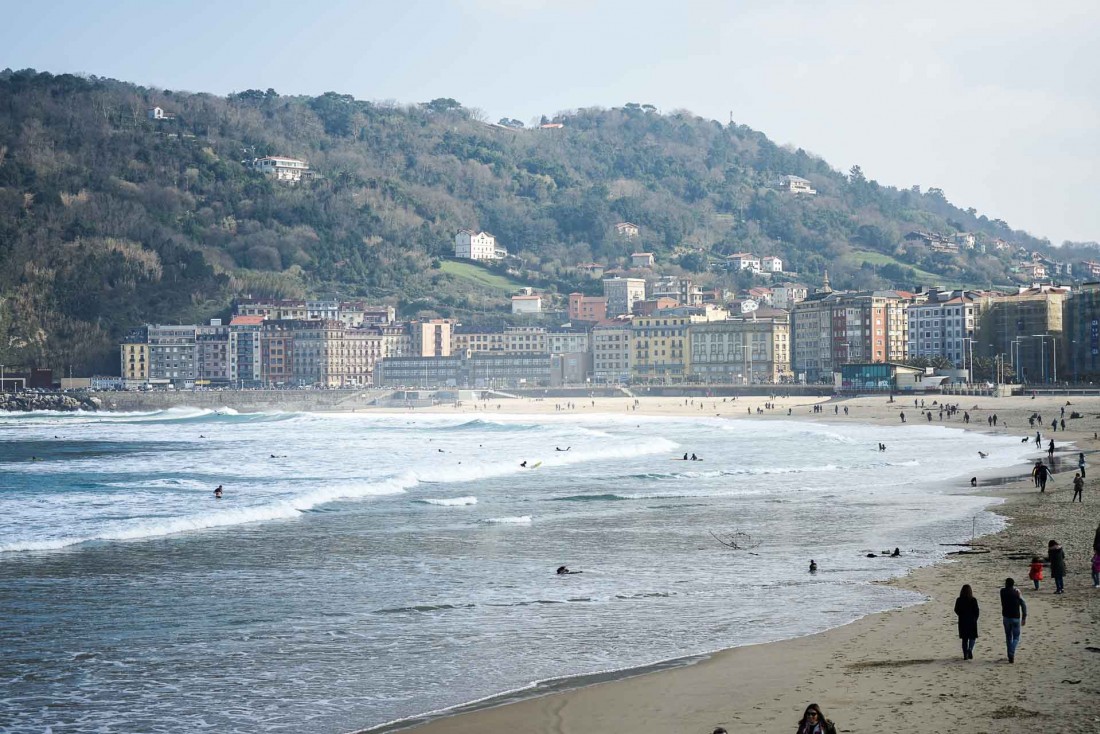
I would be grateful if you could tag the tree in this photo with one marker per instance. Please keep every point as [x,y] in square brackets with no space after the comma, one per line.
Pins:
[441,105]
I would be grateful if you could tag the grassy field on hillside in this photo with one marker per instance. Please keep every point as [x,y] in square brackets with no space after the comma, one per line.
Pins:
[858,257]
[479,276]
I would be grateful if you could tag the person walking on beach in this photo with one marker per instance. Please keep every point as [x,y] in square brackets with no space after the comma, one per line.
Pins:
[1050,449]
[1014,616]
[1035,571]
[1038,440]
[966,609]
[1042,474]
[1035,472]
[903,416]
[1078,488]
[1096,570]
[814,722]
[1057,558]
[1081,464]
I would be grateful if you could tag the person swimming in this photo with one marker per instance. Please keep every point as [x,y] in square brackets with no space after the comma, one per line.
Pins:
[558,448]
[896,553]
[564,571]
[218,492]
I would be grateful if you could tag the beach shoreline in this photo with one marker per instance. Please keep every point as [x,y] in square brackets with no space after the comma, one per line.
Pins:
[693,694]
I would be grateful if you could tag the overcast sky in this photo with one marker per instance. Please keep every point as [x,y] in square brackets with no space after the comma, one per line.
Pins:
[997,103]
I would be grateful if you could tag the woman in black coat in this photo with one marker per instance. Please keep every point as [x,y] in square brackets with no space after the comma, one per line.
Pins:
[966,608]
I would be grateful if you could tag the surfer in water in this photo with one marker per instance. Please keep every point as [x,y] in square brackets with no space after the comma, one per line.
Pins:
[218,492]
[813,566]
[695,458]
[558,448]
[523,463]
[563,571]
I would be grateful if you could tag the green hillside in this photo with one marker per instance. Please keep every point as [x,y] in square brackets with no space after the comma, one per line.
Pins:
[109,219]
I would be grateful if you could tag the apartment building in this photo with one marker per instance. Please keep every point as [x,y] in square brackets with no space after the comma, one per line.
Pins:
[679,289]
[830,329]
[622,293]
[135,362]
[785,296]
[945,325]
[659,343]
[512,340]
[587,308]
[1026,327]
[1081,334]
[212,354]
[611,352]
[431,338]
[742,349]
[171,354]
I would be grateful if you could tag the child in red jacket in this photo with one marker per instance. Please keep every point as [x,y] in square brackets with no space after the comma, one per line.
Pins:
[1036,572]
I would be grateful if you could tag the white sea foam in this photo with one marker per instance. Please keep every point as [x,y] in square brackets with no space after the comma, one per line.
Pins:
[451,501]
[517,520]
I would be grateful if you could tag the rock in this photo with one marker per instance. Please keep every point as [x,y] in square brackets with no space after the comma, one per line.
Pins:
[26,402]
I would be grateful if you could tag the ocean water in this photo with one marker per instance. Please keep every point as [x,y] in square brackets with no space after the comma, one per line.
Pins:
[362,569]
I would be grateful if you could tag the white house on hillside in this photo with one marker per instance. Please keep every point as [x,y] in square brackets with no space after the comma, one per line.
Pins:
[627,229]
[478,246]
[796,185]
[743,261]
[771,264]
[283,169]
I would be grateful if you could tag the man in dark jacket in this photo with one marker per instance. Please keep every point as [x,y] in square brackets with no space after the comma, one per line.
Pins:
[1014,615]
[1042,473]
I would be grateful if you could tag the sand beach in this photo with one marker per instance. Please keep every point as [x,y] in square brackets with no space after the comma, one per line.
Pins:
[899,670]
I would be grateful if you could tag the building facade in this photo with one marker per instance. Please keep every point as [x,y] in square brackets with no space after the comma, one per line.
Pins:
[622,293]
[1026,327]
[587,308]
[478,246]
[742,350]
[611,352]
[944,325]
[282,169]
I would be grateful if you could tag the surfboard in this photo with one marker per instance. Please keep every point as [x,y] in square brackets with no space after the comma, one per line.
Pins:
[536,465]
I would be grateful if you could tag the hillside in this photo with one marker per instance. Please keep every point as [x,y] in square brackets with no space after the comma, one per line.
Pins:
[109,219]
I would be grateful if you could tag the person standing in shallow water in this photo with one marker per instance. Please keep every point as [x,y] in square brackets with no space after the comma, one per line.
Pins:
[966,609]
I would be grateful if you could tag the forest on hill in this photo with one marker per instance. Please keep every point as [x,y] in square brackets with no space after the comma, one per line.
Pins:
[109,219]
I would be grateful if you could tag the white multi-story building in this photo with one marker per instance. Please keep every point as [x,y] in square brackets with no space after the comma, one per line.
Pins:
[771,264]
[478,246]
[622,294]
[527,304]
[796,185]
[282,169]
[567,342]
[743,261]
[611,352]
[944,326]
[786,295]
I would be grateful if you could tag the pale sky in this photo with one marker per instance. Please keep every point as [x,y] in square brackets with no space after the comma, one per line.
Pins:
[997,103]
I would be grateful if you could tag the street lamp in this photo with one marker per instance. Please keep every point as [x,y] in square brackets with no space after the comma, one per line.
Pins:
[1043,354]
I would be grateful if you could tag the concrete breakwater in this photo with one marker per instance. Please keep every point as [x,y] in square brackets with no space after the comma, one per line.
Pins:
[244,401]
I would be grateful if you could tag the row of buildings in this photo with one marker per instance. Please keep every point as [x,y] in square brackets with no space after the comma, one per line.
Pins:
[1045,333]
